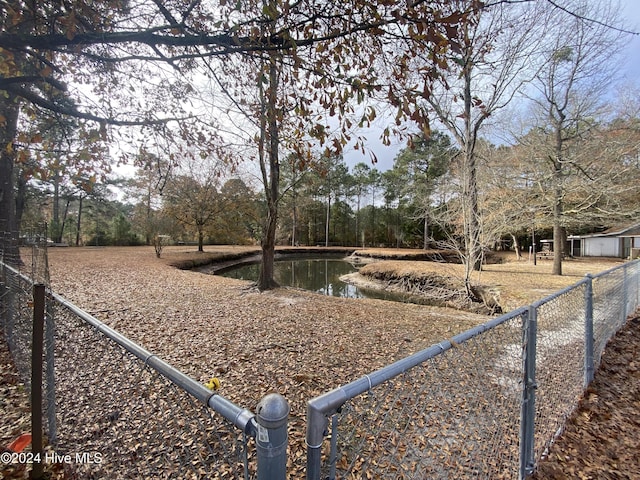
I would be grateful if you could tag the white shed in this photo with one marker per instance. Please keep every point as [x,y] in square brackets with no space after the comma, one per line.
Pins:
[615,242]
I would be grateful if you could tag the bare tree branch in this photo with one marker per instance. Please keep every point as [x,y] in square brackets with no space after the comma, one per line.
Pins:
[74,112]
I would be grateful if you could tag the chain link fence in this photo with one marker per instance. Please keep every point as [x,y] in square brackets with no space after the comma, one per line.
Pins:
[615,293]
[131,421]
[450,411]
[485,404]
[454,415]
[111,408]
[559,349]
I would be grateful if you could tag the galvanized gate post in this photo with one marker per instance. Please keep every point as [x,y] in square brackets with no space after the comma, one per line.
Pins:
[272,416]
[589,367]
[528,410]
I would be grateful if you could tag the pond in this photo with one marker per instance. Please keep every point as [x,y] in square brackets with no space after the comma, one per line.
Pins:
[317,275]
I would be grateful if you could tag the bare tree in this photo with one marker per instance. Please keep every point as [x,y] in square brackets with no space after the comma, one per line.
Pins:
[491,65]
[193,198]
[568,97]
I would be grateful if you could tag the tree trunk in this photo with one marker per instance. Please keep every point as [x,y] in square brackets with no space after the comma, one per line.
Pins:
[358,223]
[265,279]
[373,217]
[200,239]
[558,247]
[55,229]
[558,236]
[79,221]
[59,239]
[272,182]
[425,234]
[516,247]
[473,248]
[294,239]
[9,109]
[473,251]
[21,193]
[148,228]
[326,225]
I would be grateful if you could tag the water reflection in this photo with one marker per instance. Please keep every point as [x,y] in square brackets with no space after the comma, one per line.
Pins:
[318,275]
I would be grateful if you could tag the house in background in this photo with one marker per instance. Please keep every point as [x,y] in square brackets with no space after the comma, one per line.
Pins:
[621,242]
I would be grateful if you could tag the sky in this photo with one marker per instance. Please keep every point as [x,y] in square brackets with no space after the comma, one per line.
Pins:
[631,65]
[629,69]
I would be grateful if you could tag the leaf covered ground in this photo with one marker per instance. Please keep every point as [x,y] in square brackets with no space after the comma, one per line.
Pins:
[290,341]
[601,439]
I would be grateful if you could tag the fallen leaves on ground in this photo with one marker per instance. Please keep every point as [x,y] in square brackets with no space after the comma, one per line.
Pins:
[601,439]
[290,341]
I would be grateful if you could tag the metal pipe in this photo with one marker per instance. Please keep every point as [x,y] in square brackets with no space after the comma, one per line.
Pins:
[36,380]
[557,294]
[527,413]
[333,459]
[240,417]
[589,367]
[611,270]
[271,439]
[325,405]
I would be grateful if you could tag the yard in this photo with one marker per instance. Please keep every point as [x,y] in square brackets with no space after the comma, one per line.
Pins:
[297,343]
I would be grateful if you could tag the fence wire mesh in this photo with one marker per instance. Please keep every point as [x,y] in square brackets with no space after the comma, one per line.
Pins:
[453,416]
[479,410]
[560,356]
[613,292]
[137,423]
[17,313]
[27,252]
[108,414]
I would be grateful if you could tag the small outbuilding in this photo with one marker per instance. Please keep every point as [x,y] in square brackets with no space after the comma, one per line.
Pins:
[621,242]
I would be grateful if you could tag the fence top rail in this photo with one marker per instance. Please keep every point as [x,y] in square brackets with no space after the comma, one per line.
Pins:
[328,403]
[241,418]
[617,267]
[16,272]
[561,292]
[588,277]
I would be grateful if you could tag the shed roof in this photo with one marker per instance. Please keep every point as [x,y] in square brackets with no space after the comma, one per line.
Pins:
[617,231]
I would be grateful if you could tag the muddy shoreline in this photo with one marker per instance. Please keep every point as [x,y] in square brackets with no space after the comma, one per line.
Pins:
[356,255]
[436,291]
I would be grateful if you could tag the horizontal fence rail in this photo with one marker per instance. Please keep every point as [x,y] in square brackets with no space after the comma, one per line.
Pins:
[115,410]
[486,404]
[441,413]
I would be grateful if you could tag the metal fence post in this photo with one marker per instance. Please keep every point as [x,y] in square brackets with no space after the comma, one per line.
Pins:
[589,368]
[271,440]
[36,379]
[636,288]
[637,275]
[9,309]
[625,293]
[528,411]
[50,382]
